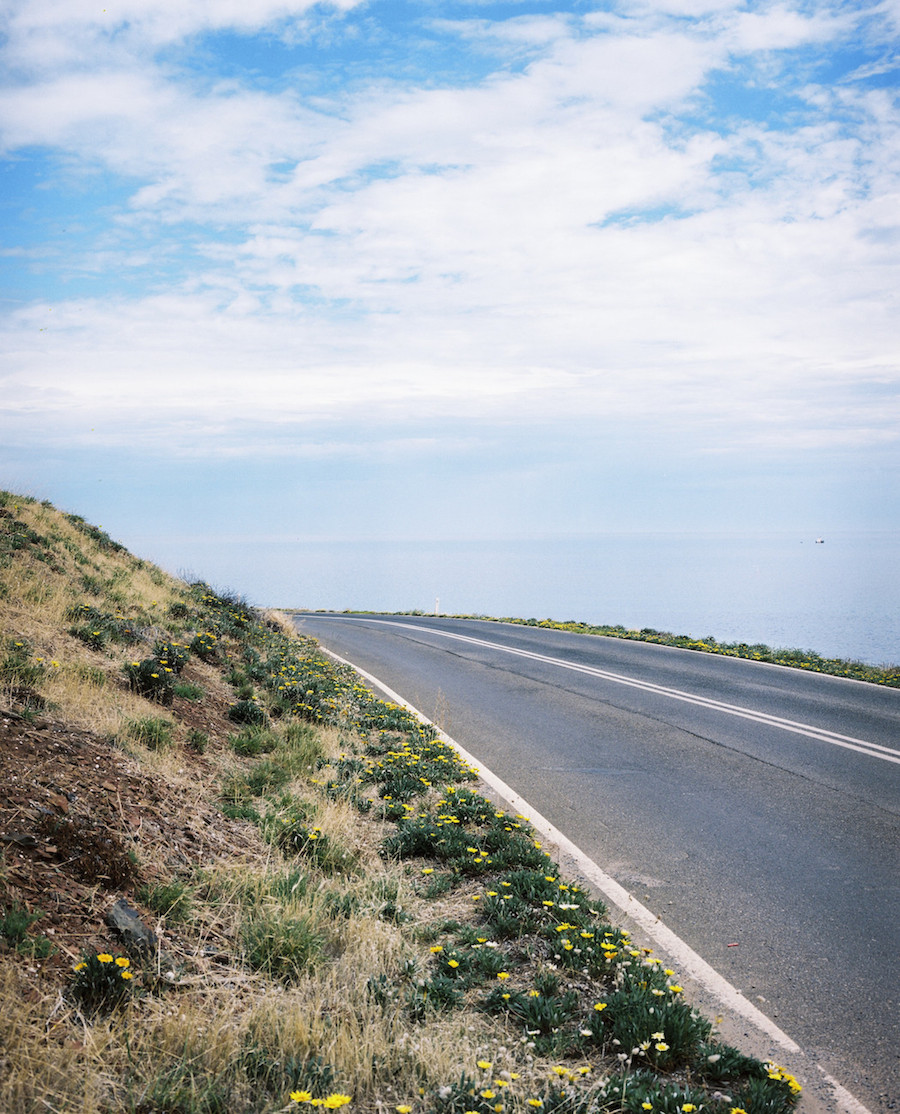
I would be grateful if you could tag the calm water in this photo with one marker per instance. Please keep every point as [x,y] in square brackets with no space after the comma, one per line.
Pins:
[840,598]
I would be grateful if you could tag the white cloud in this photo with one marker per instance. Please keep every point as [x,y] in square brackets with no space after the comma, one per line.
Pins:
[780,27]
[43,35]
[557,241]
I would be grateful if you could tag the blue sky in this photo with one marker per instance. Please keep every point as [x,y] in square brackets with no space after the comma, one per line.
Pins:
[299,272]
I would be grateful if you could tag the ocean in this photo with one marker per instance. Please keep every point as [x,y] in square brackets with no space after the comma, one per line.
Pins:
[840,597]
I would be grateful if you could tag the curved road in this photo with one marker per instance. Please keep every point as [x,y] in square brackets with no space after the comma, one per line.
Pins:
[754,809]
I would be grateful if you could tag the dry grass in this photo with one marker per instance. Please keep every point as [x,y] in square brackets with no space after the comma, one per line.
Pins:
[271,946]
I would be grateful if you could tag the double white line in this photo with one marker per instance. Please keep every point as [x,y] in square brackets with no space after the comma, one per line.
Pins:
[687,960]
[848,742]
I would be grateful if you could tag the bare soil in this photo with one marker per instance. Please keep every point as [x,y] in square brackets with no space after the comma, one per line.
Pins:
[82,824]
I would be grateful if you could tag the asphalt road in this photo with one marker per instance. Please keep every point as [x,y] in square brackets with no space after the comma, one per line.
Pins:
[755,809]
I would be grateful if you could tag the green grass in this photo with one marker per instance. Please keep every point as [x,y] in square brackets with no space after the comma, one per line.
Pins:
[282,945]
[171,900]
[151,731]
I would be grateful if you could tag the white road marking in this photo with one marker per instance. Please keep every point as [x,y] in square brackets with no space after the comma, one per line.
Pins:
[684,956]
[848,742]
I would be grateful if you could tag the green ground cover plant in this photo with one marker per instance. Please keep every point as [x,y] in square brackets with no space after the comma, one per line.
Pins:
[345,919]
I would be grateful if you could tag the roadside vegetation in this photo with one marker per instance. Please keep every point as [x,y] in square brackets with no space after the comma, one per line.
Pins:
[233,880]
[756,651]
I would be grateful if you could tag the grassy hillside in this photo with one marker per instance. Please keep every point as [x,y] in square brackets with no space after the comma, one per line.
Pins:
[231,880]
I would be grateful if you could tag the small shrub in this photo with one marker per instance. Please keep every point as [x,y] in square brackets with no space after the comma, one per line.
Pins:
[249,712]
[14,925]
[436,994]
[279,1073]
[18,666]
[172,654]
[204,645]
[151,679]
[101,983]
[197,741]
[97,628]
[635,1013]
[93,639]
[297,837]
[438,885]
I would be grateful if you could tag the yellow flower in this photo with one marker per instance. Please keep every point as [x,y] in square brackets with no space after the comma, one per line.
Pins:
[334,1102]
[534,1102]
[301,1096]
[79,967]
[123,962]
[646,1106]
[127,975]
[452,962]
[403,1109]
[485,1065]
[598,1006]
[503,974]
[104,958]
[488,1094]
[436,949]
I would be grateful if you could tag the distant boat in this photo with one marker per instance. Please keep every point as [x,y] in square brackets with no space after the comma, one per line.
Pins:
[820,541]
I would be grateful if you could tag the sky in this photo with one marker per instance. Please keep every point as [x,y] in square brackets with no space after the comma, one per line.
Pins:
[279,275]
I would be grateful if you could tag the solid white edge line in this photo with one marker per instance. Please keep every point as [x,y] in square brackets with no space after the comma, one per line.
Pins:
[847,1103]
[689,961]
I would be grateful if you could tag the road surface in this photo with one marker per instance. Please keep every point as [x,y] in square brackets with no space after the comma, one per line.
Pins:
[754,809]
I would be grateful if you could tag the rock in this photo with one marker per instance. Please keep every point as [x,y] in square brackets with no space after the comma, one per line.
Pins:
[127,922]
